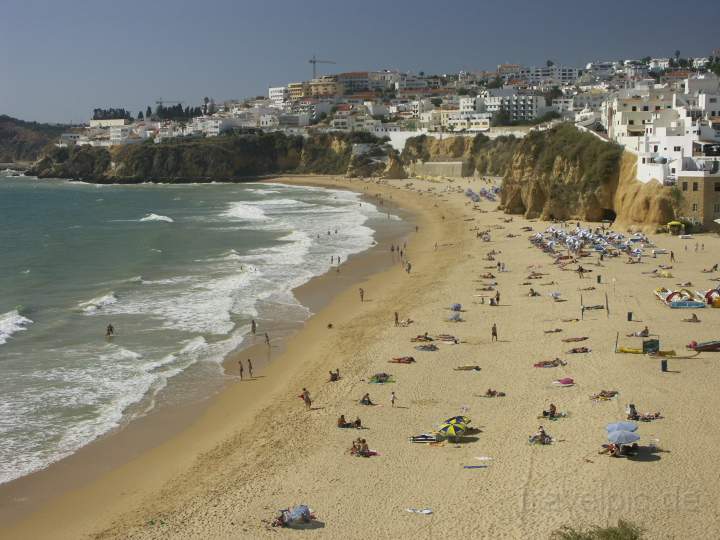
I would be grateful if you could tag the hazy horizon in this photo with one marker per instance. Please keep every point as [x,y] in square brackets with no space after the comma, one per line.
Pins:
[59,61]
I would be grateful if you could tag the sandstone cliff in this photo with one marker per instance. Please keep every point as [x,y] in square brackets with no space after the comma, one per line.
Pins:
[225,158]
[560,173]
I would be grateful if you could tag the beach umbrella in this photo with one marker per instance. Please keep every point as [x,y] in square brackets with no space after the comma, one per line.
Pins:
[621,426]
[452,430]
[458,420]
[623,437]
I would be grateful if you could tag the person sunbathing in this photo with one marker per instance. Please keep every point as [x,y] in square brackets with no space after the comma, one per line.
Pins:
[467,368]
[550,363]
[422,338]
[365,400]
[578,350]
[342,423]
[551,411]
[357,424]
[710,270]
[693,318]
[605,395]
[334,376]
[402,360]
[645,332]
[494,393]
[611,449]
[533,292]
[554,331]
[540,437]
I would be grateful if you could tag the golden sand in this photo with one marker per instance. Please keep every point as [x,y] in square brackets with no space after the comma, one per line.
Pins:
[257,449]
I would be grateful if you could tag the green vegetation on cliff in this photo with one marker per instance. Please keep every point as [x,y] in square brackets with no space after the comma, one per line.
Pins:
[23,141]
[225,158]
[559,173]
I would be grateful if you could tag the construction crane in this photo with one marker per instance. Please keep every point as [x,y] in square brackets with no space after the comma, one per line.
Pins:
[314,61]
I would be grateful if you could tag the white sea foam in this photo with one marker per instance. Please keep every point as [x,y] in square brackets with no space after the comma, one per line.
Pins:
[157,217]
[245,212]
[92,306]
[96,387]
[10,323]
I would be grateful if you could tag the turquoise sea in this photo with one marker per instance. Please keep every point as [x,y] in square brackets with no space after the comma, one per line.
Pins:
[178,270]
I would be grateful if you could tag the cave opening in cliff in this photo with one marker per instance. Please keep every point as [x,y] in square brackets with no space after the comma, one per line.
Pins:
[608,214]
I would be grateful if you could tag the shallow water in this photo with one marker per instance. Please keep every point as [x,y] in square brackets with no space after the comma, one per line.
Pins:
[178,270]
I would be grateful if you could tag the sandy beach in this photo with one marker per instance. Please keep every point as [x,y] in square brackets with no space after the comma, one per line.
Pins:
[255,448]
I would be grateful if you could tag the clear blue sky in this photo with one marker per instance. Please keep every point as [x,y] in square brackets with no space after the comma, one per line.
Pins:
[61,58]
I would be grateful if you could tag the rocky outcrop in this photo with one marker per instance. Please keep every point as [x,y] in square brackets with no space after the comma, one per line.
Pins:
[560,173]
[225,158]
[24,141]
[640,204]
[394,169]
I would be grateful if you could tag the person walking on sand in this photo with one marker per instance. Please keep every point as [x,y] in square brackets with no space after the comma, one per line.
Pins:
[393,397]
[306,398]
[497,297]
[250,368]
[362,294]
[397,319]
[253,327]
[242,370]
[672,256]
[267,339]
[494,336]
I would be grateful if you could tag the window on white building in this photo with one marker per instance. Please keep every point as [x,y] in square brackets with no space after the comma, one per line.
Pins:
[694,207]
[676,148]
[695,186]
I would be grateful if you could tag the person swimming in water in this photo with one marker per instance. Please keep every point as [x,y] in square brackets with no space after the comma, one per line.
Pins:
[110,331]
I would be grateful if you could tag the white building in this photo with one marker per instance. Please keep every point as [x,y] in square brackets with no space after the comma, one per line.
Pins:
[109,123]
[673,133]
[519,107]
[549,75]
[279,95]
[659,64]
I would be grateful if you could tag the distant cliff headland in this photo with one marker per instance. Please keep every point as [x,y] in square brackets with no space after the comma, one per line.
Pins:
[225,158]
[22,141]
[559,173]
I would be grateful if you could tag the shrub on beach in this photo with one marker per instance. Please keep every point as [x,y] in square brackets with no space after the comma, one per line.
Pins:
[624,530]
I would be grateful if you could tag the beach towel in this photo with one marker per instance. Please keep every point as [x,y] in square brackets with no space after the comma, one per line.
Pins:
[566,381]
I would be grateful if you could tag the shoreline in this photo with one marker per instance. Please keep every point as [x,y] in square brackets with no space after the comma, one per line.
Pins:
[257,448]
[125,443]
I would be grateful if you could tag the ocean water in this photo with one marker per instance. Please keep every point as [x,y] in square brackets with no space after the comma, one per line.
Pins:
[178,270]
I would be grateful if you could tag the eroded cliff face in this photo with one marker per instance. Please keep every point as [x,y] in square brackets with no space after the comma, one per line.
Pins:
[562,194]
[638,204]
[561,173]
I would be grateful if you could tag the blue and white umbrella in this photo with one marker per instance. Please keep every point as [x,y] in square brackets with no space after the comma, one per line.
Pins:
[622,426]
[623,437]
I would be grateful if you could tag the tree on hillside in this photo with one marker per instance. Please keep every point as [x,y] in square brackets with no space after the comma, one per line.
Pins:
[553,93]
[148,112]
[140,116]
[645,60]
[436,101]
[497,82]
[549,63]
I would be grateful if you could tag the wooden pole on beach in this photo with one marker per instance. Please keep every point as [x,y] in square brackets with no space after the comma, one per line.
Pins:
[582,309]
[607,306]
[617,336]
